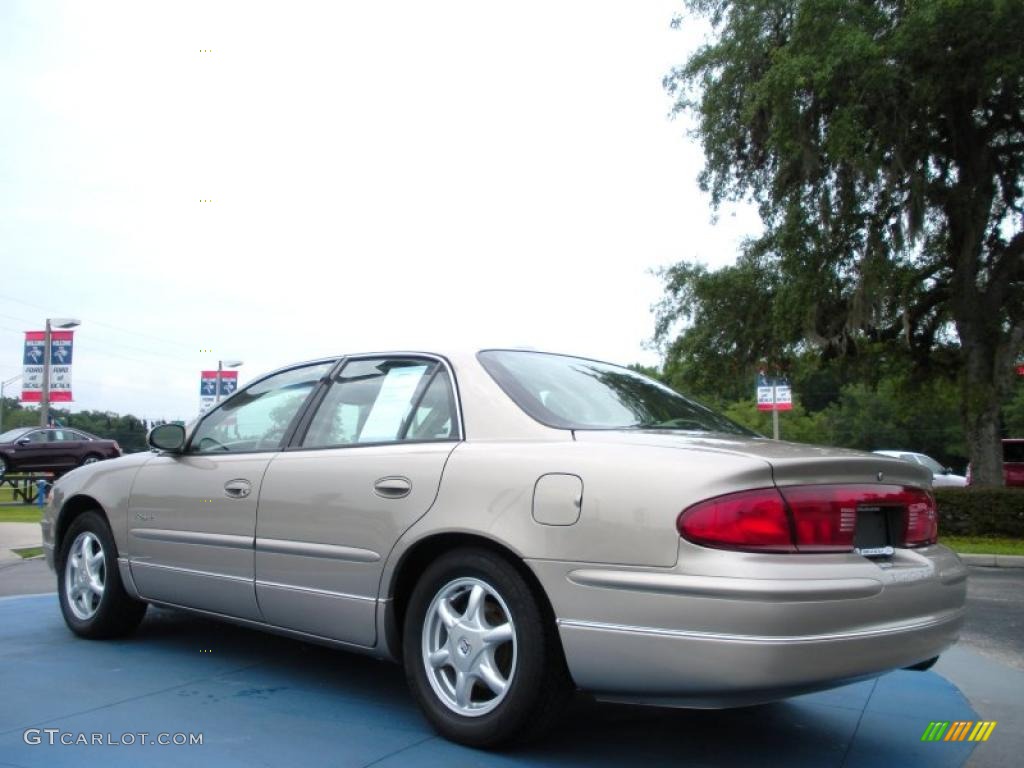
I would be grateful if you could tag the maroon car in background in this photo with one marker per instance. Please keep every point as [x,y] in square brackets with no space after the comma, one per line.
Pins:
[57,450]
[1013,462]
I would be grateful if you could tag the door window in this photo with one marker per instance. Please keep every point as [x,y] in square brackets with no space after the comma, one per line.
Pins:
[384,401]
[434,418]
[257,418]
[36,438]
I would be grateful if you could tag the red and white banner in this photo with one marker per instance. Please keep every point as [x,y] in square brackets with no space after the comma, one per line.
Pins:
[61,349]
[773,394]
[208,395]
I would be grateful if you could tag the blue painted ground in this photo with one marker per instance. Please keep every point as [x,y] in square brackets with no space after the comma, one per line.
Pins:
[262,700]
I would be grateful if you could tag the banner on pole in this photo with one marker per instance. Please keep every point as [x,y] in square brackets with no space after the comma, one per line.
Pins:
[208,387]
[61,352]
[773,394]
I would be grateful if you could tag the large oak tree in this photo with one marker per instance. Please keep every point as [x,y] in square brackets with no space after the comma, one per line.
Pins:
[883,142]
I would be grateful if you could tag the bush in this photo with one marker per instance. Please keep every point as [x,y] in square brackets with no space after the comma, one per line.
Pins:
[981,511]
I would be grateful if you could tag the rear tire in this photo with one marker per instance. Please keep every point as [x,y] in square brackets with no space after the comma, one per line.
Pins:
[482,658]
[92,598]
[90,458]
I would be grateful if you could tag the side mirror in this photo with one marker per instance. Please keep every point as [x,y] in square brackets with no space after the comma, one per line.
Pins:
[167,437]
[24,441]
[947,471]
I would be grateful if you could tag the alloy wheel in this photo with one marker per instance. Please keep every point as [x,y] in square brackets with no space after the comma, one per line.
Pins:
[469,647]
[85,575]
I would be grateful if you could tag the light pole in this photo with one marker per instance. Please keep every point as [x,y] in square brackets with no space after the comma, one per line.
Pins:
[221,365]
[44,396]
[3,386]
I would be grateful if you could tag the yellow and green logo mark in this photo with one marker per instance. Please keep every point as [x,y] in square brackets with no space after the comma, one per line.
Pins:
[958,730]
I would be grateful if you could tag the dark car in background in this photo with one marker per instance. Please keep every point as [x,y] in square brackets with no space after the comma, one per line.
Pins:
[57,450]
[1013,462]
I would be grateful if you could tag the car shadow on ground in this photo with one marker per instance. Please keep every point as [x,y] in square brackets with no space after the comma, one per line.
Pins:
[829,728]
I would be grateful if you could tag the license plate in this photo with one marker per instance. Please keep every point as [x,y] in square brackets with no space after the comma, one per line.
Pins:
[872,537]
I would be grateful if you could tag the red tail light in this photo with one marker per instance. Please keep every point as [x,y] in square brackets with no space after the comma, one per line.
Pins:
[751,520]
[921,520]
[805,518]
[824,516]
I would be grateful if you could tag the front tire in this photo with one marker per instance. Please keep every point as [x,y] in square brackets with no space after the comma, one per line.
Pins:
[92,597]
[481,657]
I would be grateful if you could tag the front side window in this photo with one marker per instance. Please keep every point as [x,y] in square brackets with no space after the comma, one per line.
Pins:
[14,434]
[257,418]
[37,437]
[384,401]
[575,393]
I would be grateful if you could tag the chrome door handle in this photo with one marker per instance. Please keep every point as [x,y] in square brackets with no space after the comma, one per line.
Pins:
[237,489]
[392,487]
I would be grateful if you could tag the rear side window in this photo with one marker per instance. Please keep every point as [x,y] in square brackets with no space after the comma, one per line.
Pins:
[1013,452]
[384,400]
[575,393]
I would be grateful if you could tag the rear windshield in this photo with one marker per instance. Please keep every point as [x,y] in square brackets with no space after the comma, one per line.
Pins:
[575,393]
[1013,452]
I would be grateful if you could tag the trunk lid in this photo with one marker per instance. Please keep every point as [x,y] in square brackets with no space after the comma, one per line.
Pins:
[791,463]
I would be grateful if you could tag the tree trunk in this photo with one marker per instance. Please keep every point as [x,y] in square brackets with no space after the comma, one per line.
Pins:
[982,342]
[980,412]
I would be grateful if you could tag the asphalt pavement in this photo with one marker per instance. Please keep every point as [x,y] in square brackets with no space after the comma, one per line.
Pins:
[26,577]
[255,695]
[987,665]
[257,699]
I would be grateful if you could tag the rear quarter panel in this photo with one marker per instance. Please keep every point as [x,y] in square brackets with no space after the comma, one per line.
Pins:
[631,497]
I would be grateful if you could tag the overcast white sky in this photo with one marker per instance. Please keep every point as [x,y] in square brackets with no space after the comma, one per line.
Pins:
[382,175]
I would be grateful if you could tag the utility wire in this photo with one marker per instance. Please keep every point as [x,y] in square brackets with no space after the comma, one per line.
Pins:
[98,322]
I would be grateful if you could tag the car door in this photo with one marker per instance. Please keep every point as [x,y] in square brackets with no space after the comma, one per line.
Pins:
[364,465]
[192,516]
[62,448]
[32,451]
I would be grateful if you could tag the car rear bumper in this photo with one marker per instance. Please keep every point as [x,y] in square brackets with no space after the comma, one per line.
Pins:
[692,669]
[677,638]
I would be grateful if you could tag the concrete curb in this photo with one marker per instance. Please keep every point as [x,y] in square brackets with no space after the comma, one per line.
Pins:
[994,561]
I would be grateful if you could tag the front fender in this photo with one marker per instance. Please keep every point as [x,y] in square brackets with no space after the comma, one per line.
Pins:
[105,484]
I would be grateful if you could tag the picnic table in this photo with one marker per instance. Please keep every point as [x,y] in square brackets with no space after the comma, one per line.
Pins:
[25,486]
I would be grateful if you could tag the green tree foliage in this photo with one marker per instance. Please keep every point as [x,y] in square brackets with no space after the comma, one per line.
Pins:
[883,141]
[898,416]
